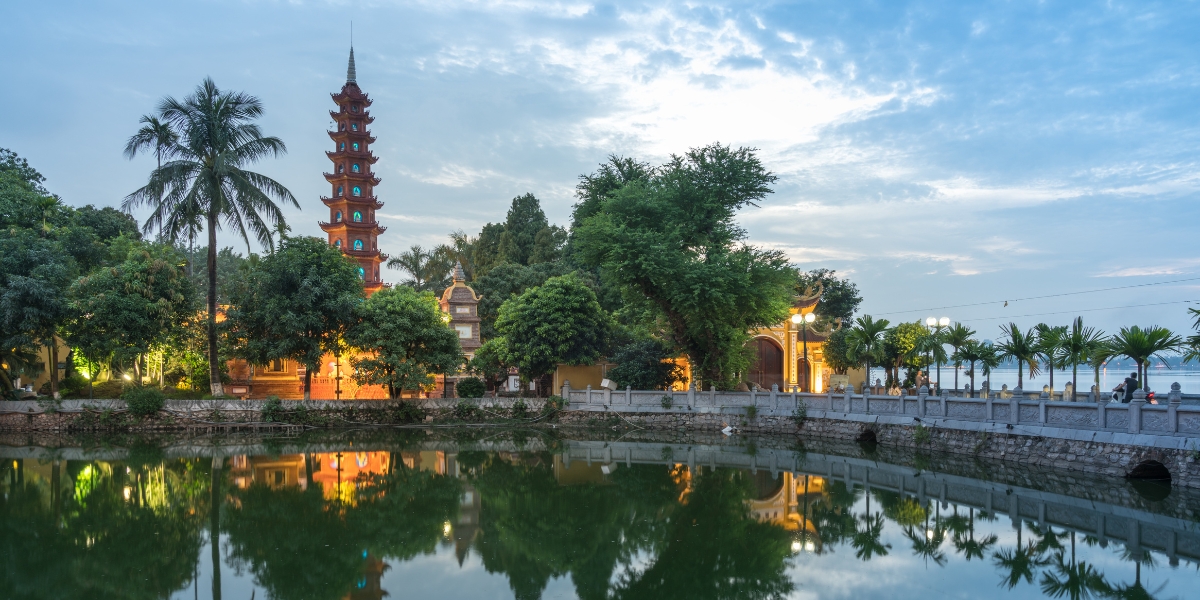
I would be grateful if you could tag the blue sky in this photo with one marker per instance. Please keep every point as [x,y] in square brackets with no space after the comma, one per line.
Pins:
[939,153]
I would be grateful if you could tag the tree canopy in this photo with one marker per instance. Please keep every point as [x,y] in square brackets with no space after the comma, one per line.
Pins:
[558,322]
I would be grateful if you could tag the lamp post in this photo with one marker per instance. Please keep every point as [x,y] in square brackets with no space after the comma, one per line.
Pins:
[936,325]
[802,322]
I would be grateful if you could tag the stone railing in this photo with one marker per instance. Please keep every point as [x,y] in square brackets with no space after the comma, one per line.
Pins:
[1170,418]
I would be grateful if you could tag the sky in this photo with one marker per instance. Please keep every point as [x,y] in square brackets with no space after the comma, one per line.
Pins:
[946,156]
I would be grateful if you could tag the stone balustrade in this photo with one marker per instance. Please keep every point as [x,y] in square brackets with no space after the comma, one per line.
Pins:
[1170,418]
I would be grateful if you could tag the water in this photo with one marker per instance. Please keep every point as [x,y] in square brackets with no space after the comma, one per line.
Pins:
[366,515]
[1161,378]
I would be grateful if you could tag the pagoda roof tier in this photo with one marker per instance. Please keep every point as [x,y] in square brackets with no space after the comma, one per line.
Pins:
[352,201]
[337,155]
[373,255]
[374,228]
[351,93]
[348,177]
[343,136]
[365,117]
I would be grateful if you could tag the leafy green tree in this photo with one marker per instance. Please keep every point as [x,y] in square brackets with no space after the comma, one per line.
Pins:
[35,273]
[204,180]
[507,281]
[558,322]
[865,344]
[404,335]
[837,351]
[644,364]
[1021,346]
[900,349]
[120,313]
[1145,345]
[492,361]
[229,263]
[594,189]
[485,252]
[296,303]
[671,244]
[840,298]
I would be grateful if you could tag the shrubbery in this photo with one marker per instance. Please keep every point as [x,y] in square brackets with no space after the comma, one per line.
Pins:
[471,387]
[143,401]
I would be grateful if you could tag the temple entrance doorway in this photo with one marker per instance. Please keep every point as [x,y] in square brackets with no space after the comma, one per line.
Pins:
[803,375]
[767,368]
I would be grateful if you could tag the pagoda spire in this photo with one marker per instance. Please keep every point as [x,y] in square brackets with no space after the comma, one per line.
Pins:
[350,74]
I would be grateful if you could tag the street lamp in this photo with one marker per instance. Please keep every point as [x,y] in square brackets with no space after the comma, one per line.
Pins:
[799,319]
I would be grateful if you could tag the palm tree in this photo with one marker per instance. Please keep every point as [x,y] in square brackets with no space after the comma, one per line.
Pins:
[428,270]
[957,336]
[866,541]
[1098,355]
[203,174]
[968,545]
[1050,347]
[1135,590]
[1077,344]
[1021,347]
[1144,345]
[973,352]
[989,358]
[934,349]
[1075,580]
[866,342]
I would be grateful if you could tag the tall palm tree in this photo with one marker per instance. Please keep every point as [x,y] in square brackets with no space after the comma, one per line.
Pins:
[866,342]
[934,349]
[1020,346]
[1076,346]
[989,358]
[1050,347]
[957,336]
[1144,345]
[203,174]
[428,270]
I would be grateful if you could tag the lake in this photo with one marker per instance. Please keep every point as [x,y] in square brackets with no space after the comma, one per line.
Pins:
[527,514]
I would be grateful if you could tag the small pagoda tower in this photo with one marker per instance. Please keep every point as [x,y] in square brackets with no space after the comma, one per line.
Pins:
[461,304]
[352,226]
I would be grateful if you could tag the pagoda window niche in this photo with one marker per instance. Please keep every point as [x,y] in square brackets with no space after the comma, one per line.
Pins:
[338,217]
[337,244]
[341,126]
[354,126]
[354,168]
[342,147]
[357,217]
[341,168]
[356,146]
[358,245]
[362,273]
[354,108]
[339,191]
[357,191]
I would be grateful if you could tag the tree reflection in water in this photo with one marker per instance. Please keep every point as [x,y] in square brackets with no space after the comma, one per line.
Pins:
[325,526]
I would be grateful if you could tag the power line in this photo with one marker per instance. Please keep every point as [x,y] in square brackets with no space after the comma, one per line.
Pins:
[1063,312]
[1123,287]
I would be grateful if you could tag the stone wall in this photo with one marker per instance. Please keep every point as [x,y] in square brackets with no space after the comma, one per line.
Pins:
[1099,457]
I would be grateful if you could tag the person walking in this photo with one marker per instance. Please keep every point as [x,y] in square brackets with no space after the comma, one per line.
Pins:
[1128,386]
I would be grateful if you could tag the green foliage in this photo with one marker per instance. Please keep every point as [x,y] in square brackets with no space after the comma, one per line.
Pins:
[143,401]
[405,341]
[644,365]
[230,264]
[492,360]
[519,242]
[840,298]
[519,409]
[837,351]
[427,270]
[296,303]
[1144,345]
[921,435]
[800,414]
[667,402]
[121,312]
[465,411]
[470,387]
[751,413]
[272,410]
[900,348]
[559,322]
[671,243]
[1022,347]
[506,281]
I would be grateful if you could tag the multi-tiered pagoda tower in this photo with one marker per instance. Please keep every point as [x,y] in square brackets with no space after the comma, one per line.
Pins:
[352,226]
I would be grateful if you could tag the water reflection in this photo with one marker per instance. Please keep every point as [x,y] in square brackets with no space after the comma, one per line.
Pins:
[338,523]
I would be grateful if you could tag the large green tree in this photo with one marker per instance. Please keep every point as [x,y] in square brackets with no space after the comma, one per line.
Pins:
[295,303]
[121,312]
[671,243]
[559,322]
[203,179]
[506,281]
[1144,344]
[840,298]
[405,339]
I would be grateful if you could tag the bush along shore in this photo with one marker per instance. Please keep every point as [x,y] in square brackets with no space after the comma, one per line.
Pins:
[148,410]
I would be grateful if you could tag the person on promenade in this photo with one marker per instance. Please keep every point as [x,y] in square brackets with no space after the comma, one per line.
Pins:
[1128,386]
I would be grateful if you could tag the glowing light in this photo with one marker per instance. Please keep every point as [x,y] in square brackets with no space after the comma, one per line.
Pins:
[127,377]
[809,547]
[809,318]
[944,321]
[931,321]
[796,318]
[929,534]
[796,547]
[128,492]
[446,528]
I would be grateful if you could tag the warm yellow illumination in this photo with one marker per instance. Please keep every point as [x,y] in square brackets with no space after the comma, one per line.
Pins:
[127,377]
[128,492]
[446,529]
[796,547]
[944,321]
[931,321]
[809,318]
[796,318]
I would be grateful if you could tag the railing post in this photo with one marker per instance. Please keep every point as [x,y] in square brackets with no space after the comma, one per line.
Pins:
[566,390]
[691,394]
[1094,394]
[607,397]
[1014,405]
[774,396]
[989,406]
[921,409]
[588,397]
[1042,409]
[1102,412]
[712,394]
[628,395]
[1174,399]
[1135,410]
[753,395]
[848,396]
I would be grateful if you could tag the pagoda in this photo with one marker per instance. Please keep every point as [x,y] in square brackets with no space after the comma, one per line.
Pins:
[352,226]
